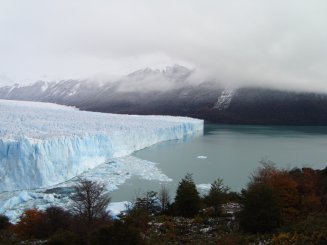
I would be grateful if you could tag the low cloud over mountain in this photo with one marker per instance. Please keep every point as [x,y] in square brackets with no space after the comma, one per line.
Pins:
[277,44]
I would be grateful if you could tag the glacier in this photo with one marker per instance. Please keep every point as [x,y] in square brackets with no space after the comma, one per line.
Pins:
[43,144]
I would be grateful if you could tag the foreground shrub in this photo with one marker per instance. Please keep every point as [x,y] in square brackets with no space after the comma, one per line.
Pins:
[4,222]
[239,239]
[64,238]
[57,219]
[6,236]
[311,230]
[118,233]
[261,211]
[31,225]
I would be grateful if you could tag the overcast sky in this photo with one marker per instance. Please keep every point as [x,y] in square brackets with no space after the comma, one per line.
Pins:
[279,43]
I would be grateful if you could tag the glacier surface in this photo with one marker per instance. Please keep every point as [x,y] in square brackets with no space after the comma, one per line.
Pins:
[43,144]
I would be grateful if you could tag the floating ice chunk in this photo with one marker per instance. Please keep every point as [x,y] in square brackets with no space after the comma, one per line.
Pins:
[202,157]
[118,170]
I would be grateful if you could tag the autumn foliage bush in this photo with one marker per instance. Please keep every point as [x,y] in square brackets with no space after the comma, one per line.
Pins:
[31,225]
[297,193]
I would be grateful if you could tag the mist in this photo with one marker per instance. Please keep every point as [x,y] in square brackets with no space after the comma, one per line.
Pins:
[278,44]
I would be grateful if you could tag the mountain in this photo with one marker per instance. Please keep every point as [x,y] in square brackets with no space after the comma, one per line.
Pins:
[175,91]
[169,91]
[274,107]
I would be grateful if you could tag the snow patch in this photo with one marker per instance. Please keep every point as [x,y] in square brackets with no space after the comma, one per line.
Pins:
[224,99]
[44,86]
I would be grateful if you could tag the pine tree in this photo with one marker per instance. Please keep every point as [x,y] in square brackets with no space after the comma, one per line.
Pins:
[217,195]
[187,200]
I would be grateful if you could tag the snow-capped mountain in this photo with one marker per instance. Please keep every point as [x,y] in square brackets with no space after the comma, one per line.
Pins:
[84,93]
[146,91]
[174,91]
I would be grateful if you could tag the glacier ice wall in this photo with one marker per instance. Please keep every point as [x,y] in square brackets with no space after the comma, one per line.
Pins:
[43,144]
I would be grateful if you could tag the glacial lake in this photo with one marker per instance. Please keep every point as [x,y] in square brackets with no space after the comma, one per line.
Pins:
[229,152]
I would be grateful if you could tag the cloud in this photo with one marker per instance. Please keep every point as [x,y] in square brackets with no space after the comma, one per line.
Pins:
[279,44]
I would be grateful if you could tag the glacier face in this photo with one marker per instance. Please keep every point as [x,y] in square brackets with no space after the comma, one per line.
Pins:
[43,144]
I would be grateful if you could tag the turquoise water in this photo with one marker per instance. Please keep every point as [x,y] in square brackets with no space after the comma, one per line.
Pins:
[232,153]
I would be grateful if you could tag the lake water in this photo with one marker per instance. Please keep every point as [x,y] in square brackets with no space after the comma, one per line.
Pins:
[231,153]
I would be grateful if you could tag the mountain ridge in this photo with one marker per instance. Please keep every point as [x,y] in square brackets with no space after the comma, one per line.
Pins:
[172,91]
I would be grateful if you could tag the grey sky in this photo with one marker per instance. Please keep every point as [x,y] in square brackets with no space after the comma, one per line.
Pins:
[280,43]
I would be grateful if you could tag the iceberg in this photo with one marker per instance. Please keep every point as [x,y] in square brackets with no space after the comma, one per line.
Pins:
[43,144]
